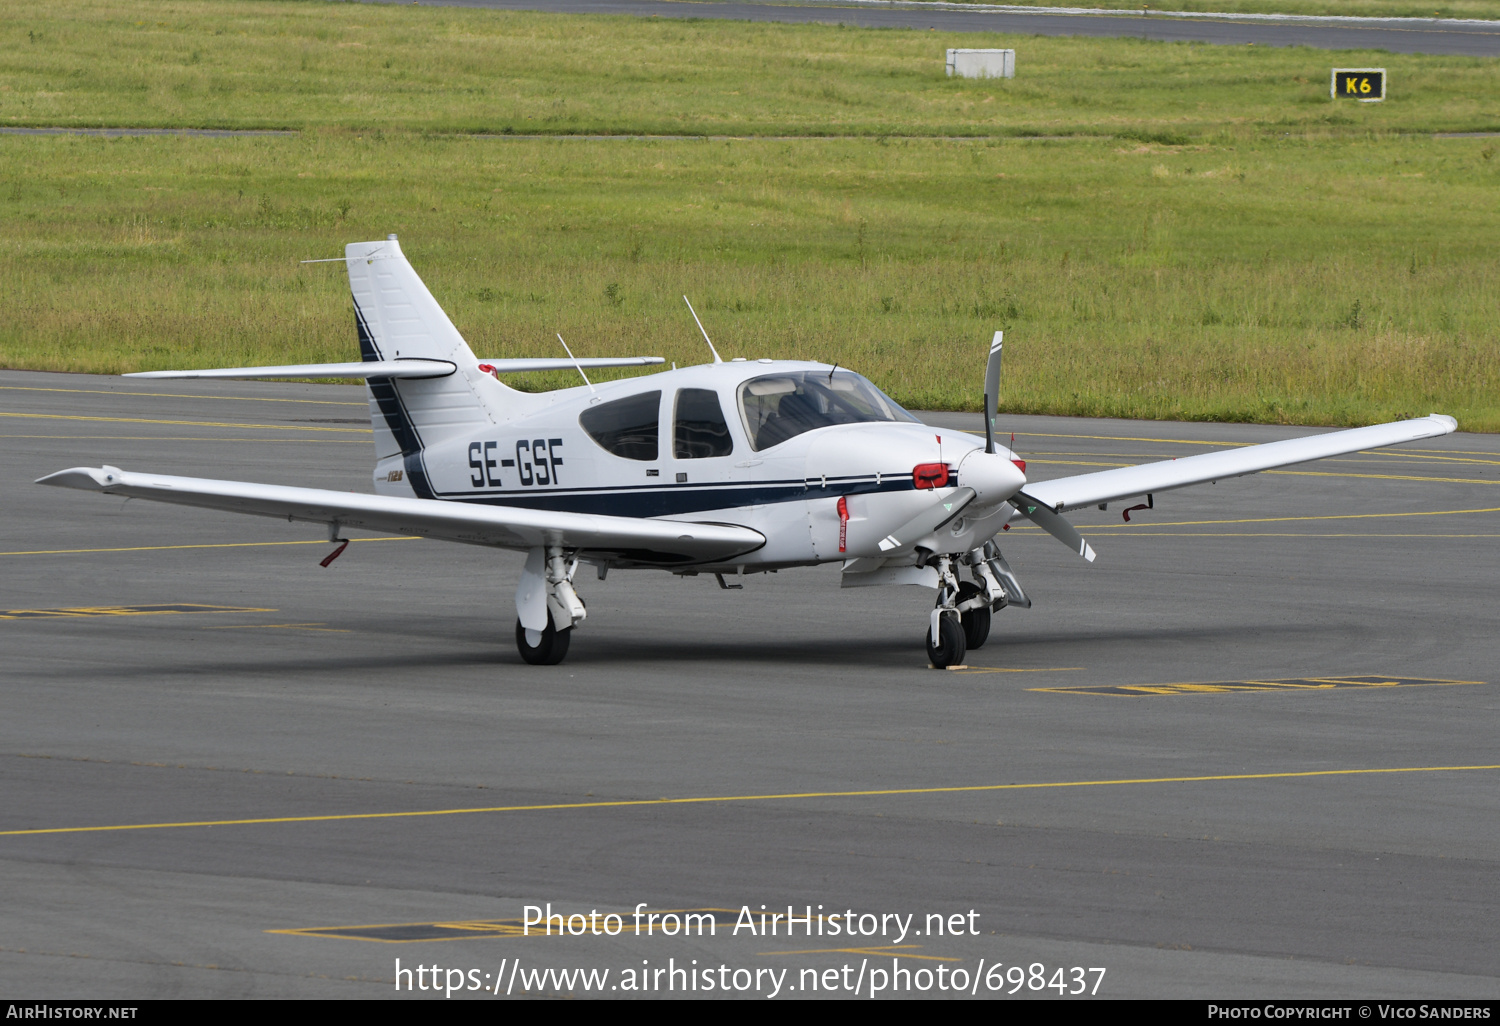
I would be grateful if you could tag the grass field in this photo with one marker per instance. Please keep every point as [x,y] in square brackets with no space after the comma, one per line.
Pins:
[242,64]
[1230,266]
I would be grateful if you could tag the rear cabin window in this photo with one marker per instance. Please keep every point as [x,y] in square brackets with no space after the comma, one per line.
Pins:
[699,429]
[625,427]
[782,406]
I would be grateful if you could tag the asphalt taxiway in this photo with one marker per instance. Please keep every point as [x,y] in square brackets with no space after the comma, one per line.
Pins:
[1324,823]
[1397,35]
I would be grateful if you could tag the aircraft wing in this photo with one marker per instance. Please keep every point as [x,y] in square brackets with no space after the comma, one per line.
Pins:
[625,540]
[1067,493]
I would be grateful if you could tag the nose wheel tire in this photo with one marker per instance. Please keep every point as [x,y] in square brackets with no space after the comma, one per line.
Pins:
[976,621]
[551,645]
[951,646]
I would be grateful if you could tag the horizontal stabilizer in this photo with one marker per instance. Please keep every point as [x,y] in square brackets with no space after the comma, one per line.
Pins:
[415,368]
[562,363]
[1109,485]
[623,540]
[367,369]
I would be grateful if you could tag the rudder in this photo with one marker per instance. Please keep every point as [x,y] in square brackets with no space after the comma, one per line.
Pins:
[397,318]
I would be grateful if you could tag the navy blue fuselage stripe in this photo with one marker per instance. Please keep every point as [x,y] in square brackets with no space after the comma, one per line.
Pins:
[672,500]
[397,420]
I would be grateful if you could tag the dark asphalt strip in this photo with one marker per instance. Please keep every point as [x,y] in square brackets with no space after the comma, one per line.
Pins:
[1419,35]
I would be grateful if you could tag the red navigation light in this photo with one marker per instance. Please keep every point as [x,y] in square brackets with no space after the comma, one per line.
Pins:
[1020,465]
[930,475]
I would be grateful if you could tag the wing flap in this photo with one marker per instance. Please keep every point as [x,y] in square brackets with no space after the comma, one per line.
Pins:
[629,540]
[1082,490]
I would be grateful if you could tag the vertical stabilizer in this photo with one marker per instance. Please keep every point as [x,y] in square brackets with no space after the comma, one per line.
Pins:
[398,319]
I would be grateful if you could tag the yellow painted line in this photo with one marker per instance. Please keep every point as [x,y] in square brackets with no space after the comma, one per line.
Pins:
[721,799]
[1435,458]
[1114,438]
[1334,516]
[271,626]
[179,395]
[1387,477]
[1076,463]
[160,609]
[468,929]
[901,950]
[1228,687]
[184,423]
[217,545]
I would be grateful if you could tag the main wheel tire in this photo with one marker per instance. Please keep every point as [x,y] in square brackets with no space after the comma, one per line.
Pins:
[549,649]
[950,648]
[977,620]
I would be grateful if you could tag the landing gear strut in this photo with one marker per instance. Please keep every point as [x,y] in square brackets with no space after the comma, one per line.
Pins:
[961,620]
[946,639]
[547,607]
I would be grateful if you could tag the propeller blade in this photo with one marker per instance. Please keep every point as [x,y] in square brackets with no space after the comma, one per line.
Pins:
[1053,523]
[992,391]
[927,521]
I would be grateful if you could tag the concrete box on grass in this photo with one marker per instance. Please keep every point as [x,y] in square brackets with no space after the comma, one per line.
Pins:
[982,63]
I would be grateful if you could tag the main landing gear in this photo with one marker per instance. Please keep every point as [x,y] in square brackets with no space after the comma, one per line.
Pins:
[961,619]
[545,595]
[543,648]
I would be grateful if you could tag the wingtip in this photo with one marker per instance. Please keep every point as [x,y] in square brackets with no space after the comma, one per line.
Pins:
[1443,418]
[90,479]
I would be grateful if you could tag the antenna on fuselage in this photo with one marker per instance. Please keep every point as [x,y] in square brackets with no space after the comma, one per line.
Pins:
[710,341]
[581,374]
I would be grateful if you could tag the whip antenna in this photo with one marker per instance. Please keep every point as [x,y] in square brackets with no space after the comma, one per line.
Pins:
[710,341]
[581,374]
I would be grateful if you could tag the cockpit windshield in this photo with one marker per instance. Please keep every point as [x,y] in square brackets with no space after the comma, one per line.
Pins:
[782,406]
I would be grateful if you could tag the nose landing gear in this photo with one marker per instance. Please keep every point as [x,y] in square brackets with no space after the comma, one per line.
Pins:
[948,647]
[961,619]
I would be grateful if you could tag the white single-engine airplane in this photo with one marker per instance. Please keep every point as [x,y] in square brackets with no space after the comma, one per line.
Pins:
[723,468]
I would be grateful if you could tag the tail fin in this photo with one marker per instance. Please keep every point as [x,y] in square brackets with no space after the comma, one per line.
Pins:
[397,319]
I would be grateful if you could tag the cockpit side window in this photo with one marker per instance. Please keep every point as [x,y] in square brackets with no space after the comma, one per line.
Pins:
[626,427]
[699,429]
[782,406]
